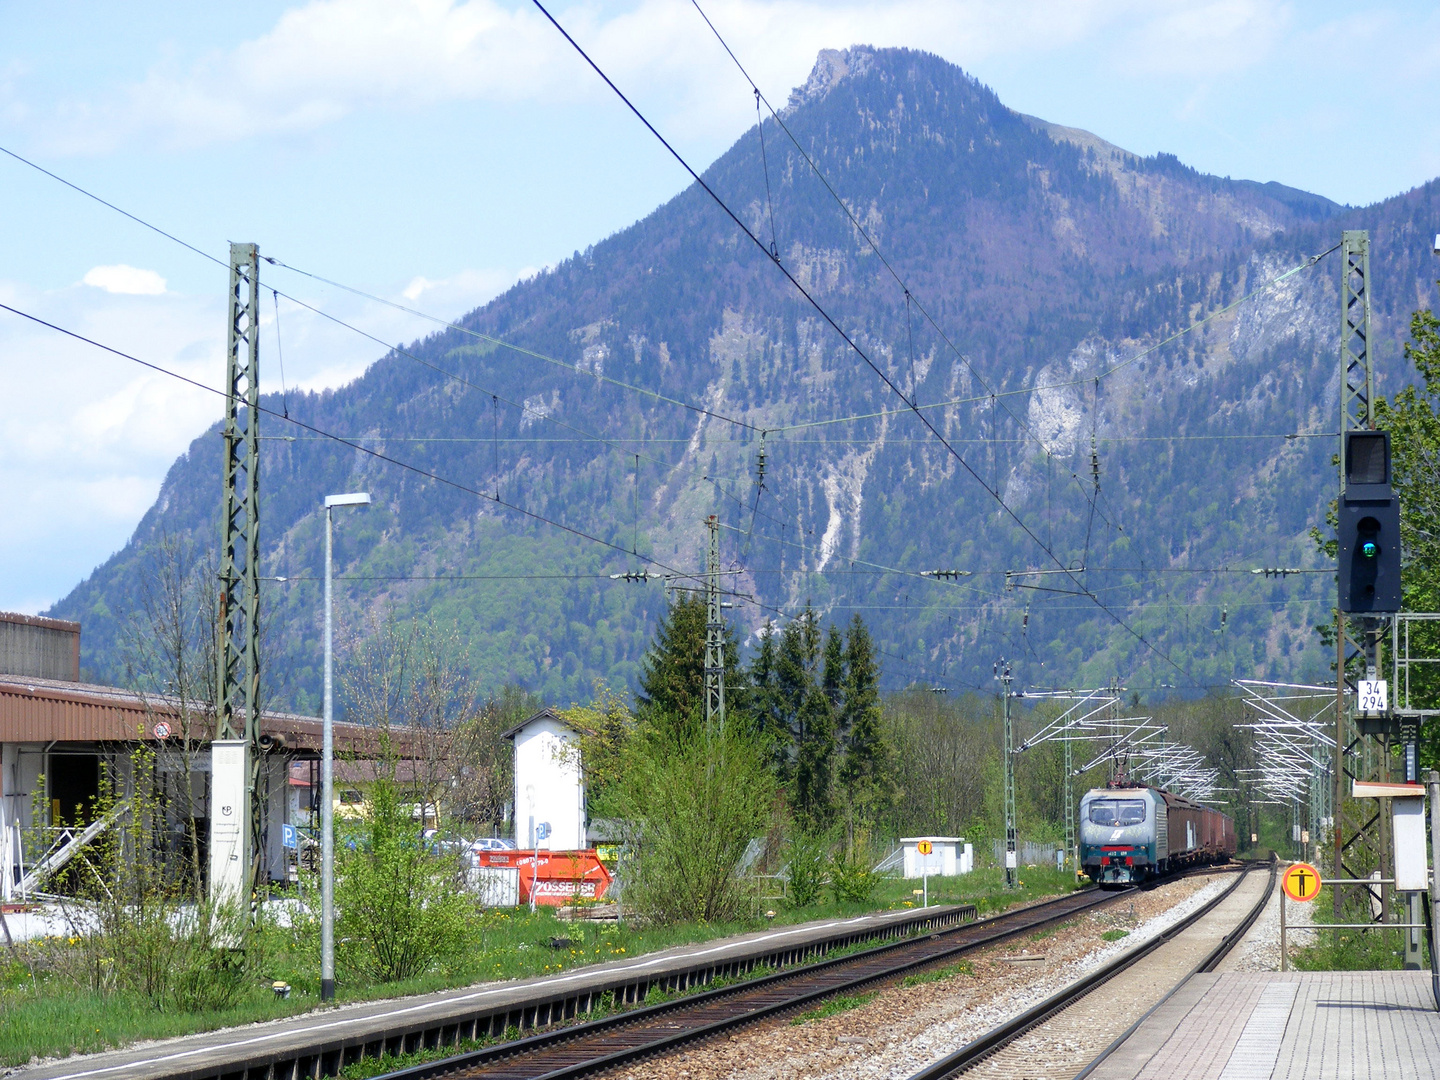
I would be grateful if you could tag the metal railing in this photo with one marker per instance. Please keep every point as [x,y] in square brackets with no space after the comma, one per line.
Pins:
[1285,899]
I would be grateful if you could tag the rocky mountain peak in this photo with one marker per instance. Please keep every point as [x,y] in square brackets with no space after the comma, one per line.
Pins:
[831,67]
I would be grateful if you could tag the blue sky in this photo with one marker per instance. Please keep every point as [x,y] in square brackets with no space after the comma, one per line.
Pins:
[434,152]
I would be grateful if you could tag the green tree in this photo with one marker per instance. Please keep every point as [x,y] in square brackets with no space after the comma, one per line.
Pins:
[399,909]
[809,718]
[1413,420]
[671,700]
[690,812]
[766,706]
[867,768]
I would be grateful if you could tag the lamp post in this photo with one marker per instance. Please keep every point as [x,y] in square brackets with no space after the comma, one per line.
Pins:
[327,766]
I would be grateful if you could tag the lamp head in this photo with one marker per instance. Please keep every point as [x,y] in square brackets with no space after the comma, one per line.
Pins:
[354,498]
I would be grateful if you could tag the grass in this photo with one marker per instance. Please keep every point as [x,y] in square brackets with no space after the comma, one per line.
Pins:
[1114,935]
[44,1015]
[388,1063]
[833,1007]
[1350,950]
[950,971]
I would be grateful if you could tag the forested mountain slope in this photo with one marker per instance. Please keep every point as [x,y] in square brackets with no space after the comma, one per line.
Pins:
[1049,259]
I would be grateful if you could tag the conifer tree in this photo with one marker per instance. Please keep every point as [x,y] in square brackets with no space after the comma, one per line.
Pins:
[765,706]
[810,718]
[867,770]
[671,699]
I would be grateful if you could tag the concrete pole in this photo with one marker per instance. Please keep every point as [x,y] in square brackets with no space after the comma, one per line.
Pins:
[327,794]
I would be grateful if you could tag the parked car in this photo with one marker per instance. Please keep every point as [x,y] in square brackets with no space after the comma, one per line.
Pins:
[493,843]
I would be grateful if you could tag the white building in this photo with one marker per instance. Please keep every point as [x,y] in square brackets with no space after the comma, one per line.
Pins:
[948,856]
[549,790]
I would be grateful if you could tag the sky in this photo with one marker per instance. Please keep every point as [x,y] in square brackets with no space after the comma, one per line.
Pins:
[436,152]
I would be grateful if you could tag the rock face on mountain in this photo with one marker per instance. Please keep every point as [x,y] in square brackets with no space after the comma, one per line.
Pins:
[1022,292]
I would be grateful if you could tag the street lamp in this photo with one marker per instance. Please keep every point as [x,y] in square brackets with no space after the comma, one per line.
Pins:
[327,767]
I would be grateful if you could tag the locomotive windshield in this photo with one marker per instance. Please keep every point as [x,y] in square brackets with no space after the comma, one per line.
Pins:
[1117,811]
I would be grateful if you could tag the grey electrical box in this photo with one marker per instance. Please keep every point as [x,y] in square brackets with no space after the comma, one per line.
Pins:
[1411,863]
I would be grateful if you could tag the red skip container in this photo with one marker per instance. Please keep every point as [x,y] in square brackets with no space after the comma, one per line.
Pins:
[555,877]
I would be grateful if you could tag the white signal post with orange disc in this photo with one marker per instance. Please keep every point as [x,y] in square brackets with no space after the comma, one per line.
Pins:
[925,847]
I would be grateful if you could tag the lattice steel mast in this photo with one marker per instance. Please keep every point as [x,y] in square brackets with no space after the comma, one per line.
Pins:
[1012,872]
[714,633]
[1357,387]
[237,705]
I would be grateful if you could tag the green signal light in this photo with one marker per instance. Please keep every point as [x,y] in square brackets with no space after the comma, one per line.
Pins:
[1369,549]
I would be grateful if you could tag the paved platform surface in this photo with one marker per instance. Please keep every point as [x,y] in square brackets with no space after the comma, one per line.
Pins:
[1313,1025]
[200,1055]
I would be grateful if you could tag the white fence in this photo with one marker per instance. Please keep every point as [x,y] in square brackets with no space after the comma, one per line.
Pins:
[1028,853]
[496,886]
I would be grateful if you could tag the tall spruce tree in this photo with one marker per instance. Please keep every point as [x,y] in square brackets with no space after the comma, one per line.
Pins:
[671,699]
[765,703]
[867,770]
[810,718]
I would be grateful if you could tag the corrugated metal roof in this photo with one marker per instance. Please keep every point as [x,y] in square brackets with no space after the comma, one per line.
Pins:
[45,710]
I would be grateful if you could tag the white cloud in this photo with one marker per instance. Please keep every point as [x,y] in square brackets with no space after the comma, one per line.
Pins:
[416,288]
[328,59]
[126,280]
[89,436]
[459,293]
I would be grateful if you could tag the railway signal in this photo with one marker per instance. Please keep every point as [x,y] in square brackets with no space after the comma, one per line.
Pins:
[1369,528]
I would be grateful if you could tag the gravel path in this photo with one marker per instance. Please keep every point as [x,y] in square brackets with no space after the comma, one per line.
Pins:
[1259,950]
[900,1028]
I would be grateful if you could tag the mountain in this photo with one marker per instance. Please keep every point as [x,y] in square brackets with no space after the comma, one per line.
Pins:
[1049,260]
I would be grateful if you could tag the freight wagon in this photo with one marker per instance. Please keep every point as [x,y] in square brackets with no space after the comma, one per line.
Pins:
[1132,832]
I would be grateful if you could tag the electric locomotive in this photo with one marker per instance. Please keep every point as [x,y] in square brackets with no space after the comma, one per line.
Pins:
[1131,832]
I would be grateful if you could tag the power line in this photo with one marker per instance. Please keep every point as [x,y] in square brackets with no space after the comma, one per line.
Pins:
[860,228]
[853,345]
[451,324]
[378,456]
[124,213]
[546,416]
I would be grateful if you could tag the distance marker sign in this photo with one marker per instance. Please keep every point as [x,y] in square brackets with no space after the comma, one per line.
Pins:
[1301,882]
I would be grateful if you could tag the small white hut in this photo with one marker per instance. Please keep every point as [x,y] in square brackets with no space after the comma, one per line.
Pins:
[549,788]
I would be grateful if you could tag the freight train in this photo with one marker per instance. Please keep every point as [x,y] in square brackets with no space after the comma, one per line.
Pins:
[1130,832]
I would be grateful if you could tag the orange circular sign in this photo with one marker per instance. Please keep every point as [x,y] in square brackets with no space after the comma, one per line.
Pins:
[1301,882]
[924,847]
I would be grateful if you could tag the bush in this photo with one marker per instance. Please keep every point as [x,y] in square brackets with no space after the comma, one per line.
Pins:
[690,813]
[399,910]
[135,927]
[851,879]
[806,863]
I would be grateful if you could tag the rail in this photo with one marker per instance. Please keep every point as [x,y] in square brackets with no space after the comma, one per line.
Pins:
[629,1036]
[1000,1036]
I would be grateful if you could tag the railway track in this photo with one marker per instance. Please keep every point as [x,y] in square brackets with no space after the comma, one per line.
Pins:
[637,1033]
[1072,1032]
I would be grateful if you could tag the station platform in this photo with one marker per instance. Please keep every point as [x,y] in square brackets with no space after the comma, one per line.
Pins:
[1306,1025]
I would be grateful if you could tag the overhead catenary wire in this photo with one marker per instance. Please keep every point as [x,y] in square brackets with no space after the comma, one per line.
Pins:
[874,247]
[449,323]
[914,407]
[498,342]
[850,342]
[524,411]
[377,455]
